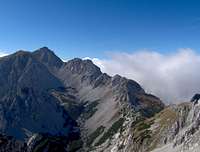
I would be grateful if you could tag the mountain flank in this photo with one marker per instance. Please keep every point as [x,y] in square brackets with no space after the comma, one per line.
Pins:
[50,105]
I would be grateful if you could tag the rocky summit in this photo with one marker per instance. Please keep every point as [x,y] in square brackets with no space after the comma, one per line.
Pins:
[47,105]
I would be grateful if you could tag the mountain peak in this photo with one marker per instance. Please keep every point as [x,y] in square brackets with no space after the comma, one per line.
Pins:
[47,57]
[44,49]
[21,52]
[78,65]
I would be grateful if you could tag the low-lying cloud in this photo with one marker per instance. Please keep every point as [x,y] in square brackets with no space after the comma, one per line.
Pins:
[173,77]
[2,54]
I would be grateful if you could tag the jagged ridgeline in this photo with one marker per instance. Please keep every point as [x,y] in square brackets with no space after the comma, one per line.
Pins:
[50,105]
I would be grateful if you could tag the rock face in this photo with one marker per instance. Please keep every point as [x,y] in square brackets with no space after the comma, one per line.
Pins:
[181,134]
[72,105]
[26,104]
[195,98]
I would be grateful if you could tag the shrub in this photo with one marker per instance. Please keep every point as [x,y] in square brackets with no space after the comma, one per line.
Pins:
[90,109]
[95,134]
[111,131]
[143,126]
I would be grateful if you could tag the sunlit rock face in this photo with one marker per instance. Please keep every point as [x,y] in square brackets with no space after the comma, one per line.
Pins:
[185,137]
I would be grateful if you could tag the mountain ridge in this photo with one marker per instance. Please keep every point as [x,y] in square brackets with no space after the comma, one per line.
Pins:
[78,97]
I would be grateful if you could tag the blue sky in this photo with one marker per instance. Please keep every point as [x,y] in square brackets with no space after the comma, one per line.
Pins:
[80,28]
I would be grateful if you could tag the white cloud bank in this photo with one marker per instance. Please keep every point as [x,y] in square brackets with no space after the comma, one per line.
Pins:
[2,54]
[173,77]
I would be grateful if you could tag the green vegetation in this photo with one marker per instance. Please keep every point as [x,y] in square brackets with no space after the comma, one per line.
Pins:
[35,116]
[146,134]
[75,145]
[142,133]
[150,112]
[72,108]
[137,121]
[111,131]
[49,142]
[166,117]
[76,109]
[56,143]
[162,120]
[90,109]
[95,134]
[41,146]
[143,126]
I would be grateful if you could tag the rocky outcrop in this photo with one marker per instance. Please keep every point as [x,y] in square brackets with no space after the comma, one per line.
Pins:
[184,130]
[26,105]
[195,98]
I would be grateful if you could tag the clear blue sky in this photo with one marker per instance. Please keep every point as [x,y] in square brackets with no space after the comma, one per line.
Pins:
[79,28]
